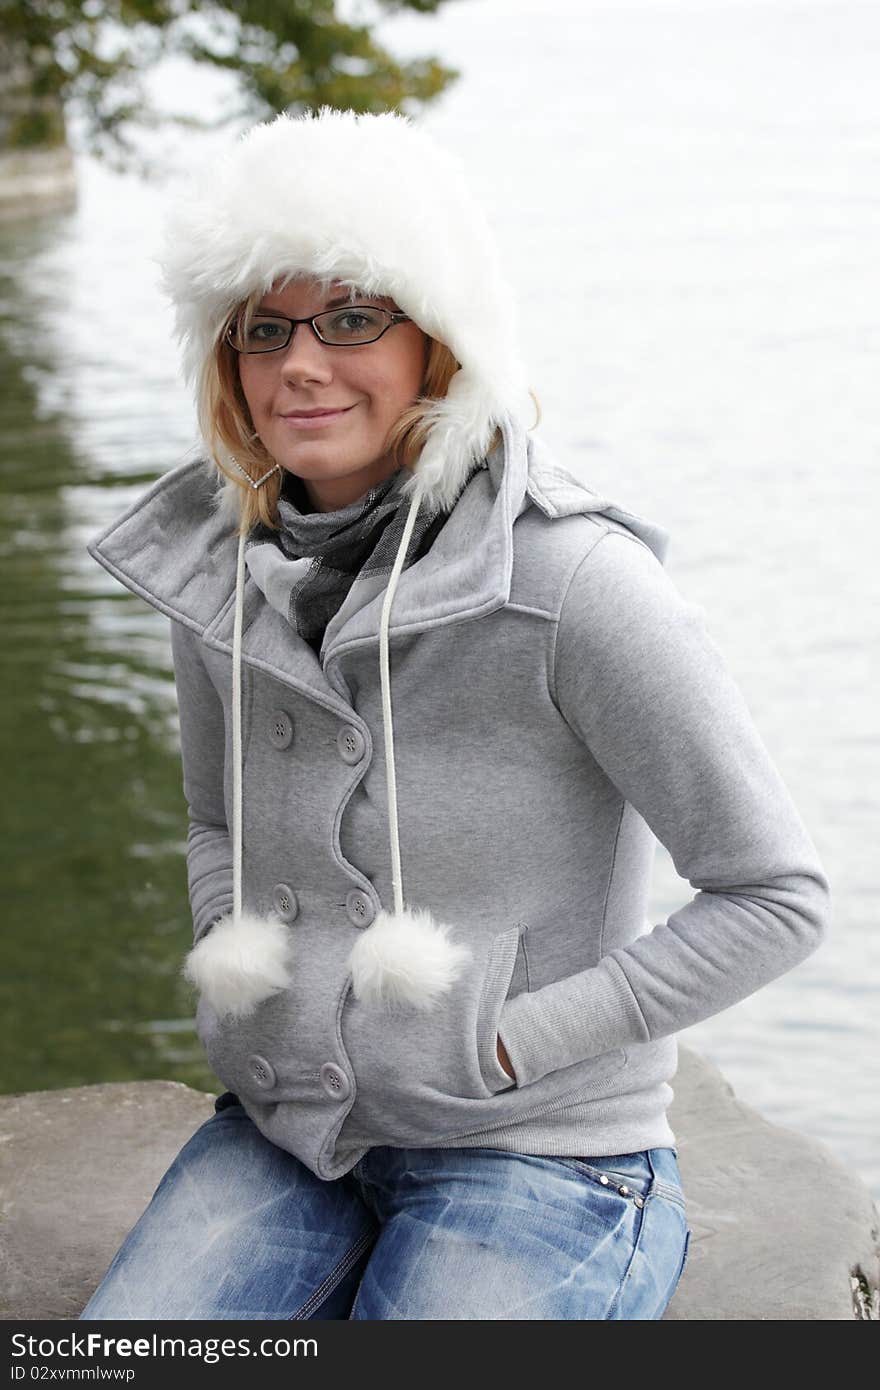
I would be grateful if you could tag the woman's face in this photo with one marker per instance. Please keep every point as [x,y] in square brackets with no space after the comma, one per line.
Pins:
[340,459]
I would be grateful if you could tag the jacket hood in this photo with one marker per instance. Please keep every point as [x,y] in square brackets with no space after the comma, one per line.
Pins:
[174,547]
[372,201]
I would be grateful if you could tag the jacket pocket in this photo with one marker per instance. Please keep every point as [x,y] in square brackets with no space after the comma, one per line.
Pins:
[421,1073]
[505,975]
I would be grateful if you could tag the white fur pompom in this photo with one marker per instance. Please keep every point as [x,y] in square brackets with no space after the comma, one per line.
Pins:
[405,958]
[240,962]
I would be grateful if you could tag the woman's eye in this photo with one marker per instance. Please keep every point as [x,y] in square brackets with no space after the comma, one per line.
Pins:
[265,332]
[355,322]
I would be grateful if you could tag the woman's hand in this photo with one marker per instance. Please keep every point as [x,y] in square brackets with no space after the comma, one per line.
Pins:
[501,1052]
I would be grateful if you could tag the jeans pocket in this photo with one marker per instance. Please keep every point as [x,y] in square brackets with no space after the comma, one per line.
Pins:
[629,1175]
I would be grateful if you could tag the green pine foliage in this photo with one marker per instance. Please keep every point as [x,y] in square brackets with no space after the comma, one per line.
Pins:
[286,55]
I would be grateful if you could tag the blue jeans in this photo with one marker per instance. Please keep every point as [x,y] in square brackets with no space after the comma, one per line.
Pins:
[238,1228]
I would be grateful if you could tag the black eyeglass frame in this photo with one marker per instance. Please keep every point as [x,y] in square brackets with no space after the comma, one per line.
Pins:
[392,316]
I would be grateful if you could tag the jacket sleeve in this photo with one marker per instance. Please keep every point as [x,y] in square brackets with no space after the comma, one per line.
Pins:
[202,751]
[642,684]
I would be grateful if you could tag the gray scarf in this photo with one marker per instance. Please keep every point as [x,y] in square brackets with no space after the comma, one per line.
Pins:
[313,560]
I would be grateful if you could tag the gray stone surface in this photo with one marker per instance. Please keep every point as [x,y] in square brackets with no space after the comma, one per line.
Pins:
[781,1230]
[77,1168]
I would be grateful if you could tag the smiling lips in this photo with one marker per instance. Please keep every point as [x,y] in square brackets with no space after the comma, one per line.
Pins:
[311,419]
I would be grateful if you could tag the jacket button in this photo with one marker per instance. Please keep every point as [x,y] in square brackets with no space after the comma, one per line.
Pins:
[359,908]
[351,743]
[285,902]
[335,1081]
[280,728]
[261,1072]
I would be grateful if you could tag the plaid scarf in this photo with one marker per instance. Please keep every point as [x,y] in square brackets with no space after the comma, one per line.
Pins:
[361,538]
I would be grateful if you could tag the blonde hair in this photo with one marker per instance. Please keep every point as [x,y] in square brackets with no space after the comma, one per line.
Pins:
[228,430]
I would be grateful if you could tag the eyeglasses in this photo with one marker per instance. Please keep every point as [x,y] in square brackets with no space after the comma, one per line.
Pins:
[348,327]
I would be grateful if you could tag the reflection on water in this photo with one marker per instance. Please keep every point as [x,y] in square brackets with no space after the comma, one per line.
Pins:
[92,853]
[710,236]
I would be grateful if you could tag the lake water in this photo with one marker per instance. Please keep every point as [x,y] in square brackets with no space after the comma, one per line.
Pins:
[687,201]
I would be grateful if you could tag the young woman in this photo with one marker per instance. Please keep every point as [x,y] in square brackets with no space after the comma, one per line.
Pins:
[437,699]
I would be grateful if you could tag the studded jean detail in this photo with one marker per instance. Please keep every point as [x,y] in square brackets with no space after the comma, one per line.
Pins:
[240,1229]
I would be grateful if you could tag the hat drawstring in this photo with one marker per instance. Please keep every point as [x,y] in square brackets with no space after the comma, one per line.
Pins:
[387,722]
[236,730]
[243,957]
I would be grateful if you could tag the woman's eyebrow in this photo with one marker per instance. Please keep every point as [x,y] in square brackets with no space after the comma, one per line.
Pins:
[330,304]
[347,299]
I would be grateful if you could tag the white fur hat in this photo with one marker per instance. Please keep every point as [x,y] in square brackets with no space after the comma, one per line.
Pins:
[372,201]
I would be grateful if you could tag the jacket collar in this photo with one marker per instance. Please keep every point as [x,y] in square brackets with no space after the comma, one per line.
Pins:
[175,549]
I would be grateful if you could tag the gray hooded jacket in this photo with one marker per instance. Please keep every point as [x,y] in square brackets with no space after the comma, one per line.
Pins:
[556,706]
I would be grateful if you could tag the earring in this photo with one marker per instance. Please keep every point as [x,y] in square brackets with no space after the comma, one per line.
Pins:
[260,481]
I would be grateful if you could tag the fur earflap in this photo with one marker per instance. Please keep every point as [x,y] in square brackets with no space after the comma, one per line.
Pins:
[406,958]
[240,962]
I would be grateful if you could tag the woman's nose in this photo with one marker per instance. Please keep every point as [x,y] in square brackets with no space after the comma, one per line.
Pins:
[306,358]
